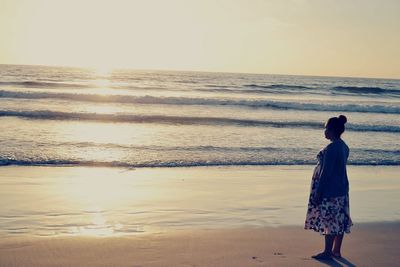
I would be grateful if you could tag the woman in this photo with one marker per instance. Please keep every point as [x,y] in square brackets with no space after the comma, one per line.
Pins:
[328,208]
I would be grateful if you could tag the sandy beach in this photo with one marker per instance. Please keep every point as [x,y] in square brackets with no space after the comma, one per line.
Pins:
[213,216]
[368,245]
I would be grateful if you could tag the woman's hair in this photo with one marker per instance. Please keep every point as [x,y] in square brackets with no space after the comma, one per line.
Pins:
[336,124]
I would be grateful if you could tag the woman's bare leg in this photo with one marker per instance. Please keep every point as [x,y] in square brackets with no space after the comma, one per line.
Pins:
[337,245]
[327,253]
[329,244]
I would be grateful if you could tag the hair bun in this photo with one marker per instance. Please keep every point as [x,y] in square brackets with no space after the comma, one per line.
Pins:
[342,119]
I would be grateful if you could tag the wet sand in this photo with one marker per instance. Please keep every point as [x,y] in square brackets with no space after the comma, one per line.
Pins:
[368,245]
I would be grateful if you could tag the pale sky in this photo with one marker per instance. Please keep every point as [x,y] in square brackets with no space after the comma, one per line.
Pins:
[307,37]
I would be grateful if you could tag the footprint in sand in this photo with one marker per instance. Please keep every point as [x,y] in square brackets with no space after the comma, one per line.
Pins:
[257,259]
[279,254]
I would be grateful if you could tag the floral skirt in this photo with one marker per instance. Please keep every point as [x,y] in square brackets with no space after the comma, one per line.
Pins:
[331,216]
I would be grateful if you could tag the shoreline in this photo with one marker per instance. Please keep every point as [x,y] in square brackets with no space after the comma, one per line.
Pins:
[308,166]
[217,165]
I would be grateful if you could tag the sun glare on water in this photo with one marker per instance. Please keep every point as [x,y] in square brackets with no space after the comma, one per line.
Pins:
[98,196]
[98,227]
[102,82]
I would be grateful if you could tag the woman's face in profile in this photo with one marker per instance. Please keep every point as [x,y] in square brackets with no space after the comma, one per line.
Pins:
[328,133]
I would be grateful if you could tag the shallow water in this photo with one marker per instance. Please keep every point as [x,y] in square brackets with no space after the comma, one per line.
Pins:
[49,201]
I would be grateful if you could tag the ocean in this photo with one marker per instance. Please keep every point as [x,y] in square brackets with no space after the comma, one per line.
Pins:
[61,116]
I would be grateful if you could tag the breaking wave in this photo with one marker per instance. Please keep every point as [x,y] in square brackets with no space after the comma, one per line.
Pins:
[283,105]
[180,163]
[43,84]
[185,120]
[365,90]
[277,86]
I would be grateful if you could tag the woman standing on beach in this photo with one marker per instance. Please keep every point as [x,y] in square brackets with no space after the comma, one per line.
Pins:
[328,208]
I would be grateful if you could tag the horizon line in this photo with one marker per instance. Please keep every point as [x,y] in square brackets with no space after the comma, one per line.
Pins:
[204,71]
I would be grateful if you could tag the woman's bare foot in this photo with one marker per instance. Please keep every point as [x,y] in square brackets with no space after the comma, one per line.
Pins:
[322,256]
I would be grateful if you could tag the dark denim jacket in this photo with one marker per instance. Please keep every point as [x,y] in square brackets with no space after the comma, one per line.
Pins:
[333,181]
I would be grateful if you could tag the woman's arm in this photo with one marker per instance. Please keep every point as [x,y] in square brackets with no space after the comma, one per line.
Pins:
[327,168]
